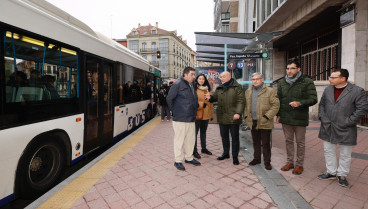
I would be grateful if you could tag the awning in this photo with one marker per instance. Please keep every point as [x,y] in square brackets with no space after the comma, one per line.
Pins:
[211,45]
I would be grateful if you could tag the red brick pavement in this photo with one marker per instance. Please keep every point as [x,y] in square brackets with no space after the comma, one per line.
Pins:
[147,178]
[324,194]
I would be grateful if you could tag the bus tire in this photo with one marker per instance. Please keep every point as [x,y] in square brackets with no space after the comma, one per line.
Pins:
[40,168]
[148,113]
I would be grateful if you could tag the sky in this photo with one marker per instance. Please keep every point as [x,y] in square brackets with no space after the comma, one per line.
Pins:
[116,18]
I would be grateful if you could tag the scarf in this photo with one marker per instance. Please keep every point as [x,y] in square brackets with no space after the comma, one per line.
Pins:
[292,80]
[227,84]
[203,88]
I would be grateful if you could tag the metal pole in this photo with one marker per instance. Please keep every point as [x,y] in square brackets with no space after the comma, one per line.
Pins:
[225,54]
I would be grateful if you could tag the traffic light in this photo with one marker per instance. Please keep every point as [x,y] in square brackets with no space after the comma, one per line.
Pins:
[158,54]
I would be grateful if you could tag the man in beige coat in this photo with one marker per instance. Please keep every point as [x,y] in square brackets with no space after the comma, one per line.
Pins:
[261,107]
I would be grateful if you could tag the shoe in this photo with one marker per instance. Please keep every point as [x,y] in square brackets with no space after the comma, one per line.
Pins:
[205,151]
[254,162]
[268,166]
[223,157]
[287,167]
[236,161]
[179,166]
[196,155]
[298,170]
[193,162]
[326,176]
[342,181]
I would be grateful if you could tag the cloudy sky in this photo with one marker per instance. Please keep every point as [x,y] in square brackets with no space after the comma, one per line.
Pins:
[116,18]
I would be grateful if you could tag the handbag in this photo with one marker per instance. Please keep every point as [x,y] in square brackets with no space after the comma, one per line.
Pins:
[199,114]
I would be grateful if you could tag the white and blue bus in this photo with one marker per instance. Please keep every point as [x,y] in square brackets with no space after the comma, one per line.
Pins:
[65,91]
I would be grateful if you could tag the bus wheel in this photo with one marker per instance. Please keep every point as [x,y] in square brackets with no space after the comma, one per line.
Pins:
[148,113]
[41,168]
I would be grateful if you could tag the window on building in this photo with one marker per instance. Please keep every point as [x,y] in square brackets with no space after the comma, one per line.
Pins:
[133,45]
[225,16]
[153,46]
[154,31]
[144,46]
[225,28]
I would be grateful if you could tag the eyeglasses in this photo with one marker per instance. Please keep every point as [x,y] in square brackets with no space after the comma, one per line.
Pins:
[256,79]
[291,68]
[333,78]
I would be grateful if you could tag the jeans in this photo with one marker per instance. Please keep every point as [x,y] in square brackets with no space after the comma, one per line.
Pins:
[331,160]
[202,126]
[234,131]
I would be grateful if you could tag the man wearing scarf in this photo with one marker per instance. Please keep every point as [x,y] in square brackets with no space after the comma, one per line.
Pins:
[296,93]
[230,105]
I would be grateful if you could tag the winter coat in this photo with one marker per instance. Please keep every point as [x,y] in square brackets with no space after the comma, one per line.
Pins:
[182,102]
[339,119]
[208,110]
[230,101]
[302,90]
[267,105]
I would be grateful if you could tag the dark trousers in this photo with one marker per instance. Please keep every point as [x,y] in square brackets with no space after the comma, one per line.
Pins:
[261,143]
[202,126]
[234,131]
[165,111]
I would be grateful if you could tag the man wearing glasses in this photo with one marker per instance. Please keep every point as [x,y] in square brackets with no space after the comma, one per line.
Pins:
[341,107]
[296,93]
[261,106]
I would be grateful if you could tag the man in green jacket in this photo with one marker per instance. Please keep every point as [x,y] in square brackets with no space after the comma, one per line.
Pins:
[230,105]
[261,107]
[297,93]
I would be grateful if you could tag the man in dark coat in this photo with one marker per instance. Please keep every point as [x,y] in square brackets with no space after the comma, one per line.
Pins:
[341,107]
[230,106]
[183,102]
[296,93]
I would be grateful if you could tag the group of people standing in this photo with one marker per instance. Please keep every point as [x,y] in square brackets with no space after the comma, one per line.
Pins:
[341,107]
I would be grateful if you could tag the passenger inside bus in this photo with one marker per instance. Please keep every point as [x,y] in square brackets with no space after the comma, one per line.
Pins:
[49,82]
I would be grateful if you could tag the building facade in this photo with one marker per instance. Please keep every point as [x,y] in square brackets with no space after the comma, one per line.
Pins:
[226,16]
[322,34]
[175,54]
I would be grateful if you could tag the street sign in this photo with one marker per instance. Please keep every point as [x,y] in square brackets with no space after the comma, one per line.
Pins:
[251,64]
[240,65]
[248,55]
[231,65]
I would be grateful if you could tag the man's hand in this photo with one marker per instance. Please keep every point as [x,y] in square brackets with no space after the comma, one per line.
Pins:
[294,104]
[236,117]
[207,95]
[278,119]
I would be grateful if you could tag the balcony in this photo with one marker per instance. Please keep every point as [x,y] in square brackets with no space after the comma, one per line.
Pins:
[148,51]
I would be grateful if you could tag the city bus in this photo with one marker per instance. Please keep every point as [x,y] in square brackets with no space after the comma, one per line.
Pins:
[66,91]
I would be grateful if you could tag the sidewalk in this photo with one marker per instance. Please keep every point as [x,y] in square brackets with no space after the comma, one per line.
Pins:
[145,177]
[139,173]
[324,194]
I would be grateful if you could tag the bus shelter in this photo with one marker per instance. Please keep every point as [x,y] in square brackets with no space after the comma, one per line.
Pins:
[242,54]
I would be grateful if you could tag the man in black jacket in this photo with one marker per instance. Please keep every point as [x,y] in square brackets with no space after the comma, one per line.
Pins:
[183,102]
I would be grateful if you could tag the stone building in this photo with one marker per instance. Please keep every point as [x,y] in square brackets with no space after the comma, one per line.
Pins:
[175,54]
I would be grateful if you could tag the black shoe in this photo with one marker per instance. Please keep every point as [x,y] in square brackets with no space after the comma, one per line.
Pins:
[193,162]
[205,151]
[223,157]
[236,161]
[196,155]
[342,181]
[325,176]
[179,166]
[255,162]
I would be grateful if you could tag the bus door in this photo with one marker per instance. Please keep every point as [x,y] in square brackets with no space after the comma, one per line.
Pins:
[98,129]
